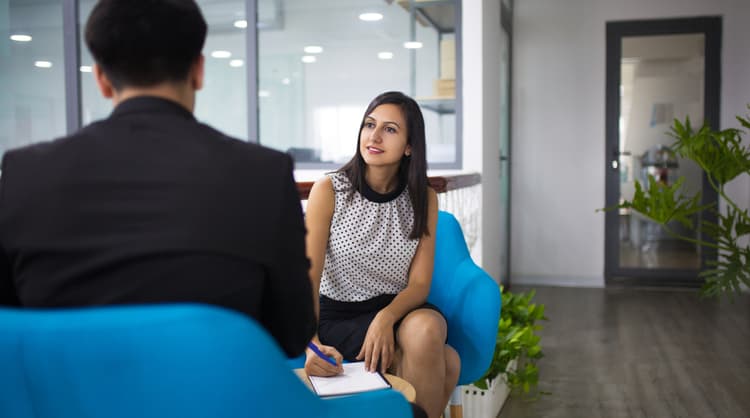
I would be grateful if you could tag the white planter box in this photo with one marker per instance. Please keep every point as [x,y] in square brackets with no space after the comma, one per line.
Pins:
[480,403]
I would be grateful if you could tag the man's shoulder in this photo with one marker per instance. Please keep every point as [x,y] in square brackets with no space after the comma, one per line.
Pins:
[37,150]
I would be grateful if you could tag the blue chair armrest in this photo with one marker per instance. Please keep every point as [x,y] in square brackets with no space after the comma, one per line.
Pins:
[468,297]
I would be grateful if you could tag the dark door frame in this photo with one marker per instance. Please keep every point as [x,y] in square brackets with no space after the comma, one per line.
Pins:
[506,25]
[711,27]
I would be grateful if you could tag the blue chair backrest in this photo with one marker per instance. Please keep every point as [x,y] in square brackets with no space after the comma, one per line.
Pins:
[468,297]
[178,360]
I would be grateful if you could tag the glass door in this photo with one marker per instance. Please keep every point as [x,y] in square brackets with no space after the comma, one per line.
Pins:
[657,71]
[505,143]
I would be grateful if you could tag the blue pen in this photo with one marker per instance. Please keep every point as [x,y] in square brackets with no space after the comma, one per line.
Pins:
[320,354]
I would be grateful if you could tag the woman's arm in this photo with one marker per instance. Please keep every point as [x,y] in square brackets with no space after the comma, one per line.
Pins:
[320,205]
[379,343]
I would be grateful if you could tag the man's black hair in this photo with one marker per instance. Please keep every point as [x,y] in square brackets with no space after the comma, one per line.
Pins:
[141,43]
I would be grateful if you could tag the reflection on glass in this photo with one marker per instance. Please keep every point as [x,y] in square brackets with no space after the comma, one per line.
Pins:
[222,103]
[32,102]
[311,103]
[661,79]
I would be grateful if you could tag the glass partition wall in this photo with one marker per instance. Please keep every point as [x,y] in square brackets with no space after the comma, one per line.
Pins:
[320,63]
[32,79]
[294,75]
[222,102]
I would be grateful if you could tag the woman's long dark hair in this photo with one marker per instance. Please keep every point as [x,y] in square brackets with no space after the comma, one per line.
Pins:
[412,169]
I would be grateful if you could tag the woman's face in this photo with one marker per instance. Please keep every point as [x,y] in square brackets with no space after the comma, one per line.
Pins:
[383,138]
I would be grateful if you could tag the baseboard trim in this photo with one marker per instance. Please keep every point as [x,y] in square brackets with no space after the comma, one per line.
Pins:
[560,281]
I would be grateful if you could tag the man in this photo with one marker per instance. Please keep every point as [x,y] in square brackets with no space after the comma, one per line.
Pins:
[150,205]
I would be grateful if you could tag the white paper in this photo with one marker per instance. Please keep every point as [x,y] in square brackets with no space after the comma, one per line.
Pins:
[354,379]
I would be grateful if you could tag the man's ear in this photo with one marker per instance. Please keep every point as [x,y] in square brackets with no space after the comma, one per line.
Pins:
[105,86]
[197,72]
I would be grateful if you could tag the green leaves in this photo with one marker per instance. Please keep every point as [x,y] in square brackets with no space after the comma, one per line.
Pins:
[663,203]
[732,267]
[719,153]
[728,274]
[723,157]
[516,340]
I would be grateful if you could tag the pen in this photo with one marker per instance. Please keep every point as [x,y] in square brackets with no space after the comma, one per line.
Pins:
[320,354]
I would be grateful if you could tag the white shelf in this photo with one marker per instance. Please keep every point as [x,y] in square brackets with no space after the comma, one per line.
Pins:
[441,105]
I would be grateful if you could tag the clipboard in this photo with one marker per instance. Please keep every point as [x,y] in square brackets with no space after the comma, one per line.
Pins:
[354,379]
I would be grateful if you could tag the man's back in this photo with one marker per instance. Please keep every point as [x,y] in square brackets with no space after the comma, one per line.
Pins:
[151,206]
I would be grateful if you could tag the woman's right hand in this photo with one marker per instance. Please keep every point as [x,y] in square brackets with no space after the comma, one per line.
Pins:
[317,366]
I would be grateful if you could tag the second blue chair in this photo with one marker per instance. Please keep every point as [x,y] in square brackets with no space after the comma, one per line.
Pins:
[187,361]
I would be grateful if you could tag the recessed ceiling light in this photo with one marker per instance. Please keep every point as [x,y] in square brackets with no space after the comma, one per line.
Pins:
[85,68]
[370,17]
[221,54]
[412,45]
[43,64]
[20,38]
[285,80]
[236,63]
[242,24]
[263,93]
[309,59]
[385,55]
[313,49]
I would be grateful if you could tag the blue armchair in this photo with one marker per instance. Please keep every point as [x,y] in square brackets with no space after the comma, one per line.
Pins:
[178,360]
[468,297]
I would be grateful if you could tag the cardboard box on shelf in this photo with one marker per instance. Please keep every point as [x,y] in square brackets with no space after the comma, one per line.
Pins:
[445,87]
[448,59]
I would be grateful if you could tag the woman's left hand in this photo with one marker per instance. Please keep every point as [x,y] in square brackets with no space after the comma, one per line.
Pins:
[379,344]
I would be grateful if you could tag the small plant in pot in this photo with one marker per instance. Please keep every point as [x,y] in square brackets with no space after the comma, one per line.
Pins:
[517,347]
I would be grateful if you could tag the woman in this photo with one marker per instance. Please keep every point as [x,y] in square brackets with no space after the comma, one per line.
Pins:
[371,243]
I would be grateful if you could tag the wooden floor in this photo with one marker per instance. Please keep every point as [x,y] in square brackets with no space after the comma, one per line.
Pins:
[640,353]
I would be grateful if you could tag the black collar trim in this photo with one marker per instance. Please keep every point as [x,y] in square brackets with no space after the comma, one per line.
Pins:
[376,197]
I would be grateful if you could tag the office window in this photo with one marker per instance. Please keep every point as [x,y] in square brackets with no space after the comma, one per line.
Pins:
[222,103]
[32,80]
[321,62]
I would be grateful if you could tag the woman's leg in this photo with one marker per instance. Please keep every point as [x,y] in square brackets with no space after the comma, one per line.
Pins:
[452,371]
[426,361]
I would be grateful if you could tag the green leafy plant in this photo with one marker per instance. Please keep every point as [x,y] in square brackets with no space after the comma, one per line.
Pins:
[516,340]
[723,157]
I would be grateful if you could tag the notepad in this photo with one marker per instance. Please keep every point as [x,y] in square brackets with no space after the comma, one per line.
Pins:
[355,379]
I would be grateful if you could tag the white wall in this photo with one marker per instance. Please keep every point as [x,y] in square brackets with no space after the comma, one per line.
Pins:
[471,56]
[481,126]
[558,125]
[491,222]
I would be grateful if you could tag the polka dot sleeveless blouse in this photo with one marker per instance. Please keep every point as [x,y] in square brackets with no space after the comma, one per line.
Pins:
[369,251]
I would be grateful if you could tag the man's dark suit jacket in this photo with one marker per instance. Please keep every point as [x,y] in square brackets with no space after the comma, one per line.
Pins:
[151,206]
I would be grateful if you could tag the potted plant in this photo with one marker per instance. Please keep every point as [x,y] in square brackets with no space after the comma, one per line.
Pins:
[513,366]
[723,157]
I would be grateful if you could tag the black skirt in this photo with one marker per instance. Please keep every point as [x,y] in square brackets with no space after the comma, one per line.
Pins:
[344,324]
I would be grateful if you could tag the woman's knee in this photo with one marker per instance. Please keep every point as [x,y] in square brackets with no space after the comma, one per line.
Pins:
[422,329]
